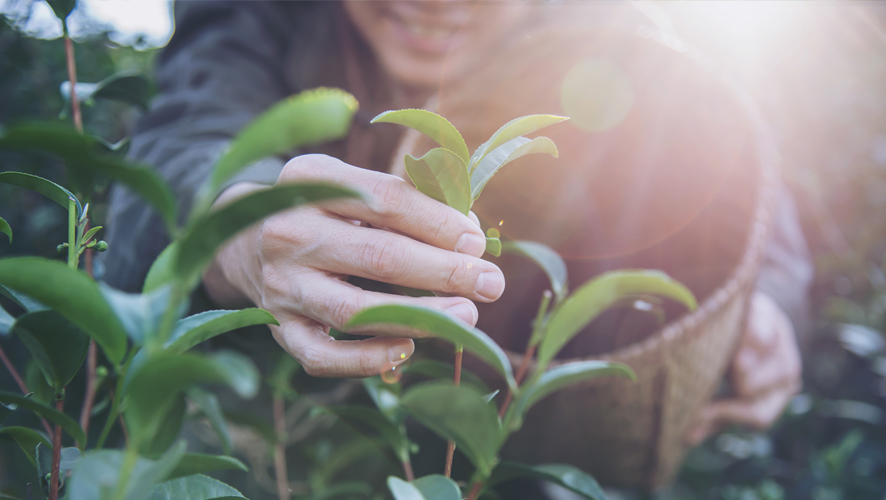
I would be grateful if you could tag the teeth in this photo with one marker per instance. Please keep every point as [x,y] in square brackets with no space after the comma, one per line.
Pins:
[432,32]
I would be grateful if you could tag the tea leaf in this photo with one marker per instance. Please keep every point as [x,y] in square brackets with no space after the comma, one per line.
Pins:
[511,130]
[140,314]
[89,234]
[98,473]
[309,117]
[85,160]
[71,293]
[442,176]
[198,328]
[444,371]
[547,259]
[364,417]
[40,185]
[439,325]
[22,300]
[433,487]
[27,439]
[199,463]
[125,86]
[62,8]
[66,423]
[196,487]
[162,270]
[209,405]
[565,375]
[595,296]
[152,389]
[493,247]
[567,476]
[432,125]
[57,346]
[197,247]
[5,229]
[458,414]
[504,154]
[167,430]
[6,321]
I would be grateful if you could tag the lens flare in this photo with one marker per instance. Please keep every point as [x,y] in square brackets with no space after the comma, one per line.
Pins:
[392,375]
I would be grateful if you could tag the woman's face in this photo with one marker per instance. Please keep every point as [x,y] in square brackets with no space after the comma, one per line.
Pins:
[417,41]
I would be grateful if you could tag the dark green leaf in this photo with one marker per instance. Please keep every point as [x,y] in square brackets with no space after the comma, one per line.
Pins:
[504,154]
[5,229]
[310,117]
[364,417]
[564,375]
[548,260]
[440,325]
[140,314]
[598,294]
[441,175]
[432,125]
[57,346]
[71,293]
[43,457]
[459,414]
[66,423]
[198,328]
[196,487]
[40,185]
[444,371]
[62,8]
[511,130]
[125,86]
[97,473]
[6,321]
[566,476]
[22,300]
[208,404]
[119,148]
[199,463]
[434,487]
[168,429]
[198,246]
[27,439]
[86,159]
[155,384]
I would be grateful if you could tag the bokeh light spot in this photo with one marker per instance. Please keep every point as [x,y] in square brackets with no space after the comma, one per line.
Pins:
[596,95]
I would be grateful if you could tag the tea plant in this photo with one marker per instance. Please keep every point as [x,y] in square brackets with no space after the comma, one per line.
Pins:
[144,336]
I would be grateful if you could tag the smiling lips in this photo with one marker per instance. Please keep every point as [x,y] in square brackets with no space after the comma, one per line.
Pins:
[424,31]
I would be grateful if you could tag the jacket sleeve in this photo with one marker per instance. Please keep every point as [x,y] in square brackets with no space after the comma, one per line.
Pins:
[221,68]
[786,271]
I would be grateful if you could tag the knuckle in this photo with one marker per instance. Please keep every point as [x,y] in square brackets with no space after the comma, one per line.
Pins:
[458,278]
[308,166]
[383,257]
[388,196]
[314,362]
[342,309]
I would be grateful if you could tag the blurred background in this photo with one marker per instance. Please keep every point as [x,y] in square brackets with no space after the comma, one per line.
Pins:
[818,70]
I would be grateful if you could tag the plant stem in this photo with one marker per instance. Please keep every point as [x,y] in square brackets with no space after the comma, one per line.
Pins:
[72,78]
[537,328]
[56,448]
[407,470]
[280,449]
[130,459]
[521,372]
[21,384]
[456,379]
[72,234]
[475,490]
[86,411]
[112,416]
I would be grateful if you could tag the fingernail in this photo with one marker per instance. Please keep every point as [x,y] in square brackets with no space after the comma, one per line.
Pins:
[471,244]
[463,312]
[490,285]
[400,352]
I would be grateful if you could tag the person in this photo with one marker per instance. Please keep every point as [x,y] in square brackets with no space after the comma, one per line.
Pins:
[227,62]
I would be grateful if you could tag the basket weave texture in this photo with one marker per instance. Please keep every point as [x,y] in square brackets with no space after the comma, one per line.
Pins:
[633,433]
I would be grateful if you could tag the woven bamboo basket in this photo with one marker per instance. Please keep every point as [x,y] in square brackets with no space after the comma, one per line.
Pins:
[633,433]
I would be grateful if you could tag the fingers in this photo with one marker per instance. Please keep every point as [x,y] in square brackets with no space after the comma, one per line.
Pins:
[759,413]
[322,356]
[392,203]
[392,258]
